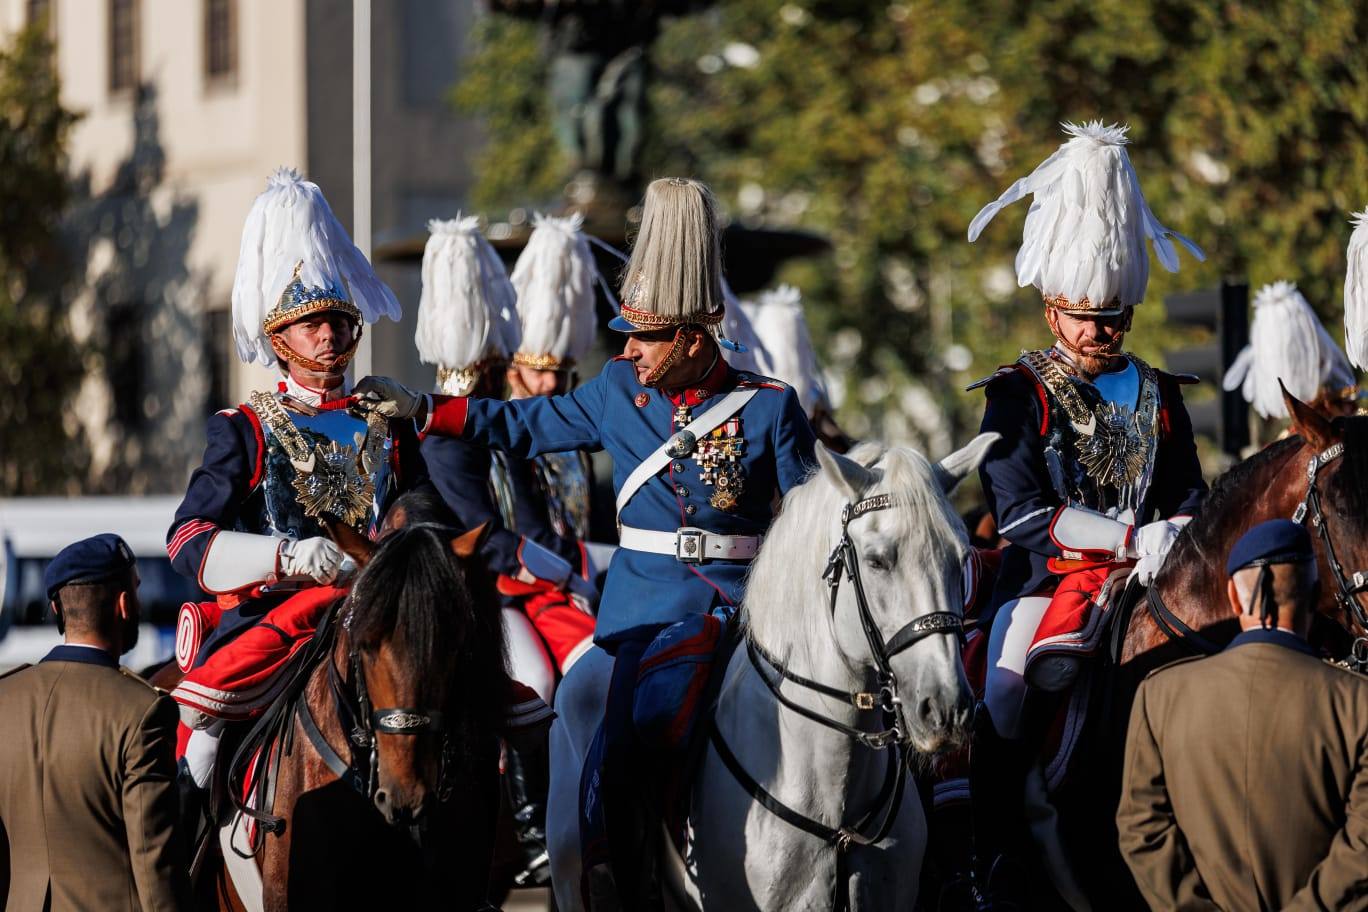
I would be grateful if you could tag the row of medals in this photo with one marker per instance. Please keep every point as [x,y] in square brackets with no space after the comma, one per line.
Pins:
[719,461]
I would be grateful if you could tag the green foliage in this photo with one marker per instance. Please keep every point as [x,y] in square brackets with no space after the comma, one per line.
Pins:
[39,363]
[888,125]
[503,82]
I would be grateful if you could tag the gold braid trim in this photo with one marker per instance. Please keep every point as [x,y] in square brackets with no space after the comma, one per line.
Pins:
[542,362]
[1083,305]
[645,319]
[671,356]
[278,319]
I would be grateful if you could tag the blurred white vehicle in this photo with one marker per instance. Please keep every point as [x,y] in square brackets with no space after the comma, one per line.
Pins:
[34,529]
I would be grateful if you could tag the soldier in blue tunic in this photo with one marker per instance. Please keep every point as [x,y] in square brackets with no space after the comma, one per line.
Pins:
[699,453]
[1095,473]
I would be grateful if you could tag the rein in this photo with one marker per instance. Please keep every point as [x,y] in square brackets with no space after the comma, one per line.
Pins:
[844,563]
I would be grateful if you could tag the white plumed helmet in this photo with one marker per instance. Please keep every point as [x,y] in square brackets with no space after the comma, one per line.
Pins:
[296,259]
[554,282]
[1356,292]
[785,349]
[1083,244]
[1287,343]
[467,316]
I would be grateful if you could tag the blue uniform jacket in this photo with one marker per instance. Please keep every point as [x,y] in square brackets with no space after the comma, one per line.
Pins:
[225,492]
[1022,497]
[460,471]
[614,412]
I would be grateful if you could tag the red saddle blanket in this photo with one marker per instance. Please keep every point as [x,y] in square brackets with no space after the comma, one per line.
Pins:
[240,680]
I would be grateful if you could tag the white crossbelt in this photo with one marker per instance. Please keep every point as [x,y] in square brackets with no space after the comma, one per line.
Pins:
[691,545]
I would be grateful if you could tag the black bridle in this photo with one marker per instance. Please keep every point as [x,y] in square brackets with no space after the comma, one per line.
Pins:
[893,737]
[1347,585]
[362,723]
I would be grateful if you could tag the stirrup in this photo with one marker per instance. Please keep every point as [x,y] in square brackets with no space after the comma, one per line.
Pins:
[1003,889]
[537,873]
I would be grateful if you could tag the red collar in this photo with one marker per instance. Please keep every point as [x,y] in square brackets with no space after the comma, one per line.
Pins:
[703,390]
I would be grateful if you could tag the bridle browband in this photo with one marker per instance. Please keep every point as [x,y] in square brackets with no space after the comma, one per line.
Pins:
[844,562]
[1347,586]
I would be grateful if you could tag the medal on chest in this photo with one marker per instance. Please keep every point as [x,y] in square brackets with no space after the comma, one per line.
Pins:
[718,456]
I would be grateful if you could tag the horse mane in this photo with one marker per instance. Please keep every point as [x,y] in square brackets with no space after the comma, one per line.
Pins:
[441,616]
[786,598]
[1350,483]
[1223,505]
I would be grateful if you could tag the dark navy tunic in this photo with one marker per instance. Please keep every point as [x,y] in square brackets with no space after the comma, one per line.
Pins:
[1022,496]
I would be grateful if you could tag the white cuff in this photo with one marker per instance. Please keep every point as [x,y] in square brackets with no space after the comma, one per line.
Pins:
[237,560]
[1082,533]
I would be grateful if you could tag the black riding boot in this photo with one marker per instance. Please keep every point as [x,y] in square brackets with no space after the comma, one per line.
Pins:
[1002,846]
[527,778]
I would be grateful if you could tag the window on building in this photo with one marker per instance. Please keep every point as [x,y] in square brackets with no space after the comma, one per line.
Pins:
[123,45]
[220,40]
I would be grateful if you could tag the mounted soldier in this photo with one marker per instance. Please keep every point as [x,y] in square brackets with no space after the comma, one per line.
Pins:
[468,327]
[1095,473]
[1290,349]
[250,529]
[699,452]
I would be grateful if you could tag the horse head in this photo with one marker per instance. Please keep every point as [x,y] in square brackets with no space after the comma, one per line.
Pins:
[897,554]
[1337,513]
[425,645]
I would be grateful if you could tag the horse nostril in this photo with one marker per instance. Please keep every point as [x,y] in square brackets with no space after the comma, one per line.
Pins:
[381,799]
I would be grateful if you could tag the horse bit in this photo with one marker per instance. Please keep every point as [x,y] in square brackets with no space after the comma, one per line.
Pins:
[844,561]
[1347,586]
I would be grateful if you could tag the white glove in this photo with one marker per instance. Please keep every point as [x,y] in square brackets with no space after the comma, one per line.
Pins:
[388,397]
[314,557]
[1147,568]
[1154,539]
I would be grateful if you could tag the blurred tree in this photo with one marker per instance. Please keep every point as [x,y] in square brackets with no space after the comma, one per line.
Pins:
[40,449]
[888,125]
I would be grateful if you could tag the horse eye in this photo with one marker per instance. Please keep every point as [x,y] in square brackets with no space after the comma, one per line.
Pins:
[879,562]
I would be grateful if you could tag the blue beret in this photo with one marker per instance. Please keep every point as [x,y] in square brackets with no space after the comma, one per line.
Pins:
[87,561]
[1277,541]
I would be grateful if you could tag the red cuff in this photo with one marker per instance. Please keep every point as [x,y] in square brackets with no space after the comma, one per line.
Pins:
[448,415]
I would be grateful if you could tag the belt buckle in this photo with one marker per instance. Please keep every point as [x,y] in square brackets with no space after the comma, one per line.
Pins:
[689,545]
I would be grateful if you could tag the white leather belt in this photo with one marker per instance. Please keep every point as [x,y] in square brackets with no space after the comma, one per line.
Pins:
[691,545]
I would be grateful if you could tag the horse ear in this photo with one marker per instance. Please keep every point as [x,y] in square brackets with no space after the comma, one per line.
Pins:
[467,543]
[954,468]
[353,543]
[1313,427]
[846,474]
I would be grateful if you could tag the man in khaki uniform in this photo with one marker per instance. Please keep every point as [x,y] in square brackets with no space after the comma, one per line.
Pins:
[87,759]
[1246,777]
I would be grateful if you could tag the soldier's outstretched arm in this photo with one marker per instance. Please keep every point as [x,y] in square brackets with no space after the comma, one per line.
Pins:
[523,427]
[1154,848]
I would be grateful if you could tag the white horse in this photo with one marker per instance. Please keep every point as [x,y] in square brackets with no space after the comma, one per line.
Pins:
[828,761]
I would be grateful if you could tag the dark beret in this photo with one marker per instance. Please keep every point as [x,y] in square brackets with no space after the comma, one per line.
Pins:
[1277,541]
[90,560]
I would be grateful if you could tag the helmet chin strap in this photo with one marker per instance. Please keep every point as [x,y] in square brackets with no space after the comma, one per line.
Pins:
[671,358]
[1110,350]
[309,364]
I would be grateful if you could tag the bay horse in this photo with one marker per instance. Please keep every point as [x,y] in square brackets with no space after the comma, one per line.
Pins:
[385,781]
[850,672]
[1187,612]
